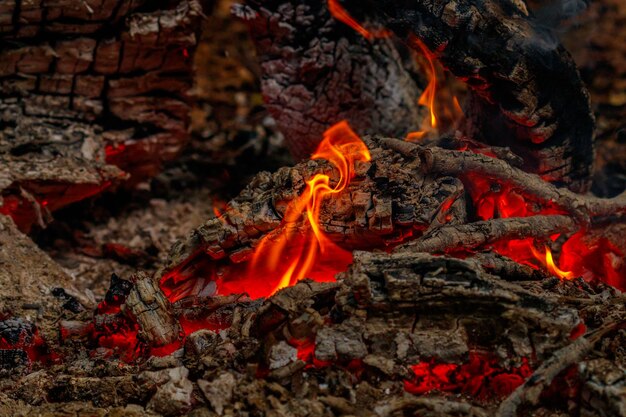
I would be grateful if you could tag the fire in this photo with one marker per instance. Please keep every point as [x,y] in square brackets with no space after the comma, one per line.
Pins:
[452,108]
[438,106]
[428,96]
[581,255]
[275,253]
[548,261]
[553,268]
[339,13]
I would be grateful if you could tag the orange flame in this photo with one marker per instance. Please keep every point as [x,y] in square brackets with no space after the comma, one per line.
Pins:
[430,92]
[275,253]
[448,108]
[339,13]
[549,263]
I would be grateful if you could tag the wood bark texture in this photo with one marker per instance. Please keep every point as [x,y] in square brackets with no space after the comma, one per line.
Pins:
[91,91]
[316,71]
[527,92]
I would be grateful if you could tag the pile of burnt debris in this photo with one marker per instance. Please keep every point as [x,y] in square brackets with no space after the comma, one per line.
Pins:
[442,248]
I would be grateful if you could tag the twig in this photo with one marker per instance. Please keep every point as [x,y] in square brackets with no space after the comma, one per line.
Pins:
[529,391]
[474,235]
[507,268]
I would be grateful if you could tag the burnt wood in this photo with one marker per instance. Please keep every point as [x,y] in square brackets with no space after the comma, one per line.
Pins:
[317,71]
[90,93]
[526,91]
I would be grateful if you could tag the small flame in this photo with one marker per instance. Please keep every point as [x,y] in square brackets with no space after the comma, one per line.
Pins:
[341,14]
[430,92]
[342,148]
[440,106]
[555,269]
[548,261]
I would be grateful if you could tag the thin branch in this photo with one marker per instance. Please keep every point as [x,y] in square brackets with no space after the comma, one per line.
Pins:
[478,234]
[458,163]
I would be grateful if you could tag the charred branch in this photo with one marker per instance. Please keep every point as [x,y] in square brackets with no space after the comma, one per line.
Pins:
[457,163]
[478,234]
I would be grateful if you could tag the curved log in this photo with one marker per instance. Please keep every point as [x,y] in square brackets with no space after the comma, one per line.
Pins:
[527,91]
[318,71]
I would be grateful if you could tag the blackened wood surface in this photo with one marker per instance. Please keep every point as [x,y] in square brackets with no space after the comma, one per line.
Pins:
[86,86]
[318,71]
[528,92]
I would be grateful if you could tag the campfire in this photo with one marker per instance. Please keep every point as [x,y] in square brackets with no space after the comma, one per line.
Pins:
[312,208]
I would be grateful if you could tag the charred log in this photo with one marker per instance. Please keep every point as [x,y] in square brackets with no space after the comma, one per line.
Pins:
[83,97]
[317,71]
[527,92]
[407,192]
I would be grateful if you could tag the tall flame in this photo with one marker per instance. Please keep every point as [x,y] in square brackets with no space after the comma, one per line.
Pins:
[429,95]
[286,252]
[444,107]
[430,92]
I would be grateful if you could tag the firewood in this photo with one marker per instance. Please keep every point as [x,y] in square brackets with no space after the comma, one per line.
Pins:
[455,163]
[530,391]
[506,268]
[479,234]
[530,83]
[421,189]
[82,105]
[386,199]
[528,94]
[147,304]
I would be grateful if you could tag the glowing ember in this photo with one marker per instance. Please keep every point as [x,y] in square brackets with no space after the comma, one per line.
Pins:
[580,255]
[480,377]
[275,257]
[21,344]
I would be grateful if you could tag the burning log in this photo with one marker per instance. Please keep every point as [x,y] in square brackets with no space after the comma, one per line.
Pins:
[527,92]
[151,310]
[83,106]
[380,278]
[385,200]
[317,71]
[455,163]
[406,192]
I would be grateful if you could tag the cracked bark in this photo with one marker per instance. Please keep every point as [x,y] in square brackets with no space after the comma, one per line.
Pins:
[458,163]
[91,91]
[406,192]
[317,71]
[527,91]
[152,311]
